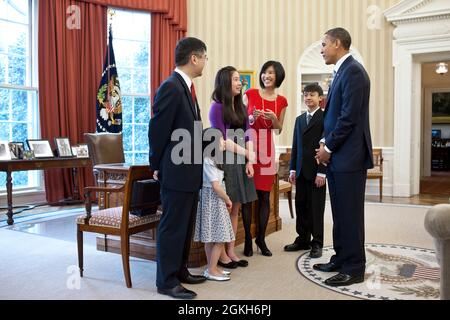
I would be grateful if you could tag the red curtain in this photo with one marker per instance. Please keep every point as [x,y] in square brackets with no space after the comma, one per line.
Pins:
[164,39]
[71,62]
[70,68]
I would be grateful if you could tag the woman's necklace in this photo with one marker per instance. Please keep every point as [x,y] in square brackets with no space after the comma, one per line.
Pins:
[264,109]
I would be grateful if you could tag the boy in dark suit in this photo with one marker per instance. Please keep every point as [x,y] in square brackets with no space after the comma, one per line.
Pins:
[308,176]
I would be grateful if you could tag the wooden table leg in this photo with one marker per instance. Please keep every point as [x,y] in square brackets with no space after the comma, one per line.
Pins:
[9,197]
[75,184]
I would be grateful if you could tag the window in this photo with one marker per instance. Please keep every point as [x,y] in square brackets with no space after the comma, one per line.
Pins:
[18,81]
[131,41]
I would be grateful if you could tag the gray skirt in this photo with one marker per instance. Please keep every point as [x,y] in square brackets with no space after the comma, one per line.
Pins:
[240,188]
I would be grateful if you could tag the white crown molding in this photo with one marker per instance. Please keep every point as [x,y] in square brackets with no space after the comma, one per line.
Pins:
[413,11]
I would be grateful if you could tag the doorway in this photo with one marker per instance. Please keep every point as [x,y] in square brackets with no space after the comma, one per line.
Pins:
[435,172]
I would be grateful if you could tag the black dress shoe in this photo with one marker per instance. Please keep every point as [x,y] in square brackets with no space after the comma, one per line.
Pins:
[230,265]
[241,263]
[342,279]
[178,292]
[296,247]
[326,267]
[316,252]
[192,279]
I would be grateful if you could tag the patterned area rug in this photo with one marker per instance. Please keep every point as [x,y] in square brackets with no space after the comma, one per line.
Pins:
[393,272]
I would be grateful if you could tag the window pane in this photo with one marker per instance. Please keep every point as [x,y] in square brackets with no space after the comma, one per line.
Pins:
[3,66]
[125,80]
[131,25]
[4,132]
[19,105]
[142,110]
[127,137]
[140,81]
[129,157]
[14,10]
[141,157]
[142,55]
[19,132]
[20,179]
[17,70]
[4,104]
[13,38]
[141,137]
[127,105]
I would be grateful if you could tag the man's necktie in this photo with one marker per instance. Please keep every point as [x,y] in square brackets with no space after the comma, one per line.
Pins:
[308,118]
[194,98]
[332,79]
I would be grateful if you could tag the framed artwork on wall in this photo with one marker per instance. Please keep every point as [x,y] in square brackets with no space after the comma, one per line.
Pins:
[440,105]
[247,79]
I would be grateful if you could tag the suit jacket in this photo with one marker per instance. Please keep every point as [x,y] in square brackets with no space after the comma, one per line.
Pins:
[305,142]
[346,119]
[174,109]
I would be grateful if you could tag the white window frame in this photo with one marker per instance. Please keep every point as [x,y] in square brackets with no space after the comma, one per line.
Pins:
[35,178]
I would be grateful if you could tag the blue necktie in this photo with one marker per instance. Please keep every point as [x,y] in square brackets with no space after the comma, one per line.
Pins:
[308,118]
[332,80]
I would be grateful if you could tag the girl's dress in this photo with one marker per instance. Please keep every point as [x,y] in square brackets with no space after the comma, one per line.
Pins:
[213,223]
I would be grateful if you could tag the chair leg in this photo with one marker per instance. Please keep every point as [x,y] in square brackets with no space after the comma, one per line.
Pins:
[80,249]
[125,248]
[289,195]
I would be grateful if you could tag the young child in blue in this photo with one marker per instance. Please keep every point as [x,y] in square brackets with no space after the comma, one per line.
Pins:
[213,225]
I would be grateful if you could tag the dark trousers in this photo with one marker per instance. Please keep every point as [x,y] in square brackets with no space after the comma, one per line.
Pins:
[347,192]
[174,236]
[309,207]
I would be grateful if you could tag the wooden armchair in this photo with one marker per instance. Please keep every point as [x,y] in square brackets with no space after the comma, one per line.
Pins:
[117,221]
[284,186]
[377,171]
[106,148]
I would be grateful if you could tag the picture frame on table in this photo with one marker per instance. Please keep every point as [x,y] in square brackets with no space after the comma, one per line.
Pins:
[81,150]
[16,149]
[41,148]
[5,153]
[63,147]
[247,79]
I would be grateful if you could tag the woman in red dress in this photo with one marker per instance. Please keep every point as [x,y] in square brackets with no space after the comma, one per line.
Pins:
[266,110]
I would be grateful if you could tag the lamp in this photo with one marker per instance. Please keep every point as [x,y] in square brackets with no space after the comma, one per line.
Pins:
[442,68]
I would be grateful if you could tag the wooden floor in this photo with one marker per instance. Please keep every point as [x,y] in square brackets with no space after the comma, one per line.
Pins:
[437,183]
[421,199]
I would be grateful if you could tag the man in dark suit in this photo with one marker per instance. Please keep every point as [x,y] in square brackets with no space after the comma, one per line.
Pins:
[347,150]
[308,176]
[178,166]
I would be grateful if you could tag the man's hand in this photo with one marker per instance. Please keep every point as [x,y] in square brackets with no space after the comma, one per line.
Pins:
[322,156]
[320,182]
[249,170]
[155,175]
[292,177]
